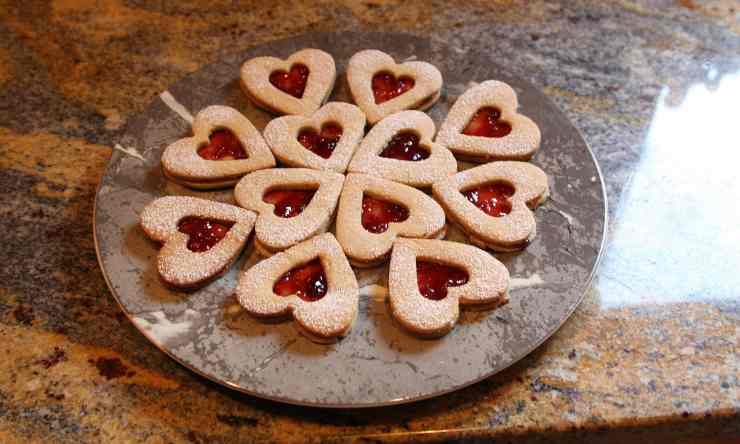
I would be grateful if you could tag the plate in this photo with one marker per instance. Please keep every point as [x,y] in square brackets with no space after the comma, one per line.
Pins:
[376,364]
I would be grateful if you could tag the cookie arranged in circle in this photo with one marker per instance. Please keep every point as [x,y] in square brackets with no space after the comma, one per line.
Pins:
[311,282]
[400,148]
[484,125]
[294,204]
[493,203]
[299,84]
[382,87]
[373,212]
[200,238]
[430,280]
[326,140]
[224,147]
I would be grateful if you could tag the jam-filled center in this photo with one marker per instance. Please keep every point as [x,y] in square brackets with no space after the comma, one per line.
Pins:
[308,282]
[292,82]
[377,214]
[492,198]
[434,279]
[222,145]
[405,146]
[289,203]
[203,233]
[486,123]
[386,86]
[322,143]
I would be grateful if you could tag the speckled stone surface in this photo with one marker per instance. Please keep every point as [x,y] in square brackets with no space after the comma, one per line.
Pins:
[651,353]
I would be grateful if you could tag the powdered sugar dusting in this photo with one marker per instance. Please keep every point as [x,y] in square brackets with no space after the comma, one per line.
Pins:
[520,144]
[439,165]
[508,233]
[365,64]
[176,106]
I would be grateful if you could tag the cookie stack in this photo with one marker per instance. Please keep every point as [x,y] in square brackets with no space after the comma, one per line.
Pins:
[343,197]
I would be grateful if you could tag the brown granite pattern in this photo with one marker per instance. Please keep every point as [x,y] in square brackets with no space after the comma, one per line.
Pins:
[71,74]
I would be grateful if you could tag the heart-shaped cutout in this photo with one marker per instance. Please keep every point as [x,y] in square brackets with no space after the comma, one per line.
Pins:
[203,233]
[292,82]
[298,85]
[225,146]
[399,148]
[289,203]
[492,203]
[491,198]
[434,278]
[386,86]
[486,122]
[322,298]
[377,214]
[308,282]
[373,212]
[405,146]
[382,87]
[325,141]
[201,238]
[222,145]
[429,280]
[294,204]
[484,125]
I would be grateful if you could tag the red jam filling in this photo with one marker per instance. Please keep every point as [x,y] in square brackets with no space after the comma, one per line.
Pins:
[204,233]
[289,203]
[322,143]
[405,146]
[486,123]
[492,198]
[223,145]
[307,281]
[292,82]
[386,86]
[434,278]
[377,214]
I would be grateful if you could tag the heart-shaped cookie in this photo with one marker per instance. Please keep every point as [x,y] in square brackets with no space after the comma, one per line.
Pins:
[297,85]
[311,281]
[201,238]
[325,141]
[293,204]
[484,125]
[225,146]
[400,148]
[493,203]
[373,212]
[382,87]
[430,280]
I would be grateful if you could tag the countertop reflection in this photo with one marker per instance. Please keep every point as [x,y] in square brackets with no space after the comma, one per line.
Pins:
[676,237]
[650,355]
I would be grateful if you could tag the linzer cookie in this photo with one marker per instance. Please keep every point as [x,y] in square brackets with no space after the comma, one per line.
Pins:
[225,146]
[373,212]
[400,148]
[382,87]
[293,204]
[484,125]
[430,280]
[312,282]
[201,238]
[493,203]
[325,141]
[297,85]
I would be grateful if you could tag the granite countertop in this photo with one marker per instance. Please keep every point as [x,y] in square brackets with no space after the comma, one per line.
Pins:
[651,353]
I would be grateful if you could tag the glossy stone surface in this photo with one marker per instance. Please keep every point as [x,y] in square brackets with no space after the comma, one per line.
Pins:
[650,354]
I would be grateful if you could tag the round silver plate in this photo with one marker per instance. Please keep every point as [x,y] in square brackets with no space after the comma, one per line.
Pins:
[376,364]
